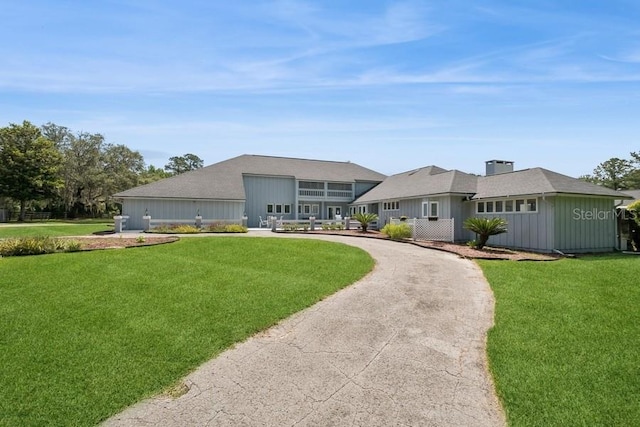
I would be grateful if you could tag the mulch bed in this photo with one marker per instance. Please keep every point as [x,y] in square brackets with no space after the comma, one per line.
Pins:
[464,251]
[461,250]
[89,243]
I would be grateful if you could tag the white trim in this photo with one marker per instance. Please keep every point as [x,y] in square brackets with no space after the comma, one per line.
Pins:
[393,205]
[428,213]
[491,207]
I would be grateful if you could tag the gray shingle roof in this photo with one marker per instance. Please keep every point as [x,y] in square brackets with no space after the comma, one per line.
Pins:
[421,182]
[223,180]
[433,180]
[633,195]
[537,181]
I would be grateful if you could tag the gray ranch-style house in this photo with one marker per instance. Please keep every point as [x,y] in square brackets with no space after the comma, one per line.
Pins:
[546,211]
[254,187]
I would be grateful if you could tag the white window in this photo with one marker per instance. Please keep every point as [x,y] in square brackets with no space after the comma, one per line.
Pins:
[507,206]
[431,210]
[362,209]
[532,205]
[270,208]
[315,209]
[278,209]
[287,209]
[391,206]
[434,209]
[307,209]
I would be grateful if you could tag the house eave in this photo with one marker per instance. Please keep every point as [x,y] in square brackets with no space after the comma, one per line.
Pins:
[179,199]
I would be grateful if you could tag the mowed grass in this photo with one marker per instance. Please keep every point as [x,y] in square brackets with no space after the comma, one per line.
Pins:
[53,229]
[565,349]
[84,335]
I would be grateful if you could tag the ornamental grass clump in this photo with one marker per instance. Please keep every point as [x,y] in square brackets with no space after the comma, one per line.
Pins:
[397,231]
[176,229]
[37,245]
[226,228]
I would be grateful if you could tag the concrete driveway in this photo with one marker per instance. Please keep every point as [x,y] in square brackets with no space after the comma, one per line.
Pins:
[405,346]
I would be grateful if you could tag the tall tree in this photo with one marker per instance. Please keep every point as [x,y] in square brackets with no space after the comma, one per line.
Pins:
[84,173]
[29,165]
[615,173]
[152,174]
[633,179]
[182,164]
[122,169]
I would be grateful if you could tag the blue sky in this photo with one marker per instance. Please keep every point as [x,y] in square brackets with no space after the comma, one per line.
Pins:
[390,85]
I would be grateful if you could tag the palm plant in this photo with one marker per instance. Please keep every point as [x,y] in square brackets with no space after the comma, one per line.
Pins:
[485,228]
[365,219]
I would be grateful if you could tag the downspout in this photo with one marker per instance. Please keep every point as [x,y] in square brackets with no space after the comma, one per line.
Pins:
[618,233]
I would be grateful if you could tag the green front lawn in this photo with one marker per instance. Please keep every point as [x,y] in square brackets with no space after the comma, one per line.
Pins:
[565,349]
[52,229]
[83,335]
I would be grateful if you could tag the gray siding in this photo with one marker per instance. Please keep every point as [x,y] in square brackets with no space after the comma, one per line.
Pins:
[585,224]
[568,224]
[178,209]
[530,231]
[449,207]
[363,187]
[262,190]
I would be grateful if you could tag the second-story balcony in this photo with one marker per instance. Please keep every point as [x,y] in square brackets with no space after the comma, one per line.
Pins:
[325,191]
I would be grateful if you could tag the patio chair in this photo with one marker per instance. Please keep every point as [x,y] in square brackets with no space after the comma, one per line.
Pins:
[264,222]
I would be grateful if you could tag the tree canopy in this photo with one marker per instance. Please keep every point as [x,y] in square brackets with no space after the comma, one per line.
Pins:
[182,164]
[29,165]
[617,174]
[72,174]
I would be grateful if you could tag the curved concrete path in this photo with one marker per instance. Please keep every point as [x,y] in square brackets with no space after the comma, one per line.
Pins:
[405,346]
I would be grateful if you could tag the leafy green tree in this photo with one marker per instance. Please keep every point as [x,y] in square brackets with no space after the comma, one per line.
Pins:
[152,174]
[182,164]
[122,168]
[365,219]
[485,228]
[633,178]
[29,165]
[84,174]
[617,174]
[634,209]
[613,172]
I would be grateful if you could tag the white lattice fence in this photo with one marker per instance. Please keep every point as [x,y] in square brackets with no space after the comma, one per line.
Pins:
[424,229]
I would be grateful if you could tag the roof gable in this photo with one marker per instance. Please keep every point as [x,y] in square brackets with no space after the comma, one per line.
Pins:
[223,180]
[537,181]
[420,183]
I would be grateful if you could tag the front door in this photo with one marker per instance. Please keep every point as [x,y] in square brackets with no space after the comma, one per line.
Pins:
[332,211]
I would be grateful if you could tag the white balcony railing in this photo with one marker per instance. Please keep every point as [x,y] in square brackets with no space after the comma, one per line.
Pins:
[329,194]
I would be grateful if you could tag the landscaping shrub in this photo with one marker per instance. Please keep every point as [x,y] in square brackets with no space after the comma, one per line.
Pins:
[36,246]
[397,231]
[365,219]
[332,226]
[485,228]
[72,246]
[192,229]
[295,227]
[233,228]
[176,229]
